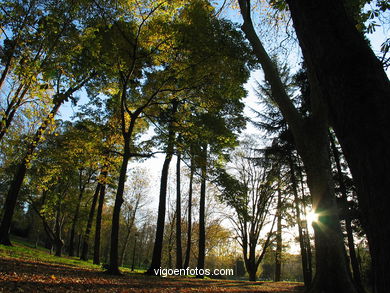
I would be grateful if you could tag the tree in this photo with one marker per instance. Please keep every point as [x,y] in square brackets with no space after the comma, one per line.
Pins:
[355,88]
[72,77]
[250,191]
[311,139]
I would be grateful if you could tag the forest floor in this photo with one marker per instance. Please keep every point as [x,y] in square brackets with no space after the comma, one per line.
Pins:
[25,269]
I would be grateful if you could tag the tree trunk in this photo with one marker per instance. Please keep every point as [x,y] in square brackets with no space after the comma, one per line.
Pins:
[303,244]
[59,243]
[189,219]
[179,255]
[357,92]
[332,273]
[278,253]
[76,214]
[96,247]
[202,206]
[114,265]
[348,222]
[158,243]
[85,245]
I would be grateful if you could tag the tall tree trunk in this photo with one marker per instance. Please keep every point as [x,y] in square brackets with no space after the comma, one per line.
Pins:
[179,255]
[158,243]
[59,243]
[114,265]
[357,92]
[76,214]
[96,246]
[348,221]
[85,245]
[278,252]
[202,207]
[303,244]
[189,218]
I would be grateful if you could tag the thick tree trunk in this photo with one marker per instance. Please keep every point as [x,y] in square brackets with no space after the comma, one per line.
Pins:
[96,246]
[179,255]
[202,207]
[332,273]
[85,245]
[357,92]
[189,218]
[278,252]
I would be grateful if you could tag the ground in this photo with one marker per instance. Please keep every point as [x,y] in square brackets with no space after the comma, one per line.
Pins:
[24,270]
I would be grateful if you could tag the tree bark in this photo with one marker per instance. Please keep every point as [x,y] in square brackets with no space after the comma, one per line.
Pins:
[179,254]
[202,207]
[82,187]
[114,265]
[158,243]
[189,218]
[347,213]
[303,243]
[85,245]
[356,90]
[96,247]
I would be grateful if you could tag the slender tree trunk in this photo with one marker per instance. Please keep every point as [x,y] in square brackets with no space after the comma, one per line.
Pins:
[179,255]
[158,243]
[124,248]
[96,247]
[76,214]
[306,264]
[357,92]
[85,245]
[278,253]
[189,219]
[59,243]
[348,223]
[202,207]
[114,265]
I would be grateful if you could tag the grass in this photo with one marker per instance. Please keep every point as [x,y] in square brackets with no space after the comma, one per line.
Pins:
[27,251]
[26,268]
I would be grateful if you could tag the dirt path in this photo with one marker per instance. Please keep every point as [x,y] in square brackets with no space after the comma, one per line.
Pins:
[18,275]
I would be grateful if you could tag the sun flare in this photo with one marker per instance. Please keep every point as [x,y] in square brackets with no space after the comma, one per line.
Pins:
[311,217]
